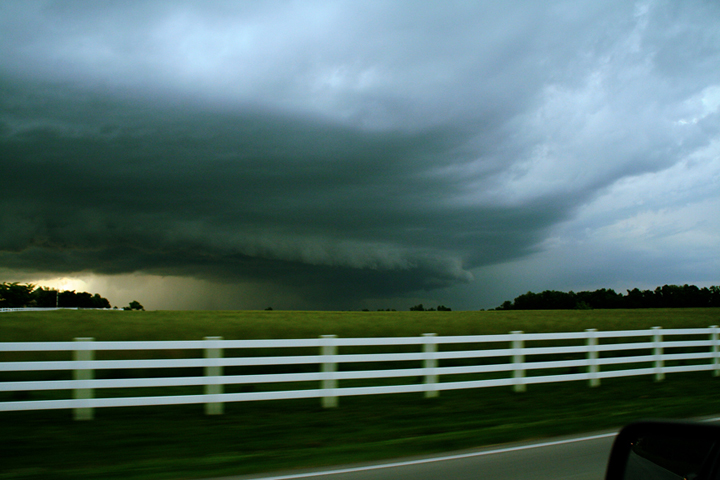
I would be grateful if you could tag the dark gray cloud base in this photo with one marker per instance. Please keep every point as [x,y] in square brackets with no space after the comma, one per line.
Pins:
[347,150]
[110,187]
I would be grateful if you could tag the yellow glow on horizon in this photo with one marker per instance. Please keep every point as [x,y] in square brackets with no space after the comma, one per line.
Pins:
[62,284]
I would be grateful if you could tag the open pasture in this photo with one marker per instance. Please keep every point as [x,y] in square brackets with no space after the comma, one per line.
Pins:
[64,325]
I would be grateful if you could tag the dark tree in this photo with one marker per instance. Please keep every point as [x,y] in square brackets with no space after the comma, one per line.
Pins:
[667,296]
[714,296]
[134,305]
[72,299]
[16,295]
[46,298]
[506,305]
[99,302]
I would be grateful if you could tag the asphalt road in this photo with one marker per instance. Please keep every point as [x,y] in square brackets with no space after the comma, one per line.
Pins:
[576,458]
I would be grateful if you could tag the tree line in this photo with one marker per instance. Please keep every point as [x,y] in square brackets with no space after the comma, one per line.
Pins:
[20,295]
[416,308]
[420,308]
[667,296]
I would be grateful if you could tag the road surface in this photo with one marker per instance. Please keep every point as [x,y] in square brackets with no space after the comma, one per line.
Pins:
[568,458]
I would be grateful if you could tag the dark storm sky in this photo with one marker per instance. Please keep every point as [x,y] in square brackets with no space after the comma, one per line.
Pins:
[347,154]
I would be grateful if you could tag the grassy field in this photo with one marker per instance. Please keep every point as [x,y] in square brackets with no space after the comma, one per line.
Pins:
[181,442]
[63,325]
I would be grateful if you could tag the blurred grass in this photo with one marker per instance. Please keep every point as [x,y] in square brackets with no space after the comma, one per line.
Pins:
[181,442]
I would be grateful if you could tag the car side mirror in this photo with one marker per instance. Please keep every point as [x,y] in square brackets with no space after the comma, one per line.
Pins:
[665,450]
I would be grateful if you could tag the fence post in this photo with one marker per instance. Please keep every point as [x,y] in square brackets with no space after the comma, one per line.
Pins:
[715,350]
[593,367]
[658,354]
[83,375]
[213,351]
[518,359]
[430,364]
[328,350]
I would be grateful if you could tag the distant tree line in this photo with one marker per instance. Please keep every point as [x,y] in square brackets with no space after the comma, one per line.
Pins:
[420,308]
[416,308]
[667,296]
[19,295]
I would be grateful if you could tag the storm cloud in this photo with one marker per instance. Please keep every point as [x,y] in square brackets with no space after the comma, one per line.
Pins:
[362,150]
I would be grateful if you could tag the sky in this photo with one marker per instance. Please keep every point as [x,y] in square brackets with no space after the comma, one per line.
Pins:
[358,154]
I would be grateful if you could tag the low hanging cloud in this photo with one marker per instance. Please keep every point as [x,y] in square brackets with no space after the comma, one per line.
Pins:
[250,197]
[351,150]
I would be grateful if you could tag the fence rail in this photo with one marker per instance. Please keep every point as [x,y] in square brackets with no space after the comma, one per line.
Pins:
[48,309]
[428,364]
[31,309]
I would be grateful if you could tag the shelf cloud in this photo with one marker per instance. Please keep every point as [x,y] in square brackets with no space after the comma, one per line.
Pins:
[355,152]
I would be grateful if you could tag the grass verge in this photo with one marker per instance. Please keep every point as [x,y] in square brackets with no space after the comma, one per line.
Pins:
[181,442]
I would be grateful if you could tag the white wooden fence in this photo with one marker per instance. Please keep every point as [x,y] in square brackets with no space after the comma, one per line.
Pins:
[48,309]
[516,359]
[34,309]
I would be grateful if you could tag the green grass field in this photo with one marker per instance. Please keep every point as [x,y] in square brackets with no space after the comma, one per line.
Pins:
[181,442]
[63,325]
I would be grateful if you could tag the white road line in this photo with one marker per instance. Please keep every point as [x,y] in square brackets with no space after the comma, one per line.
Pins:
[436,459]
